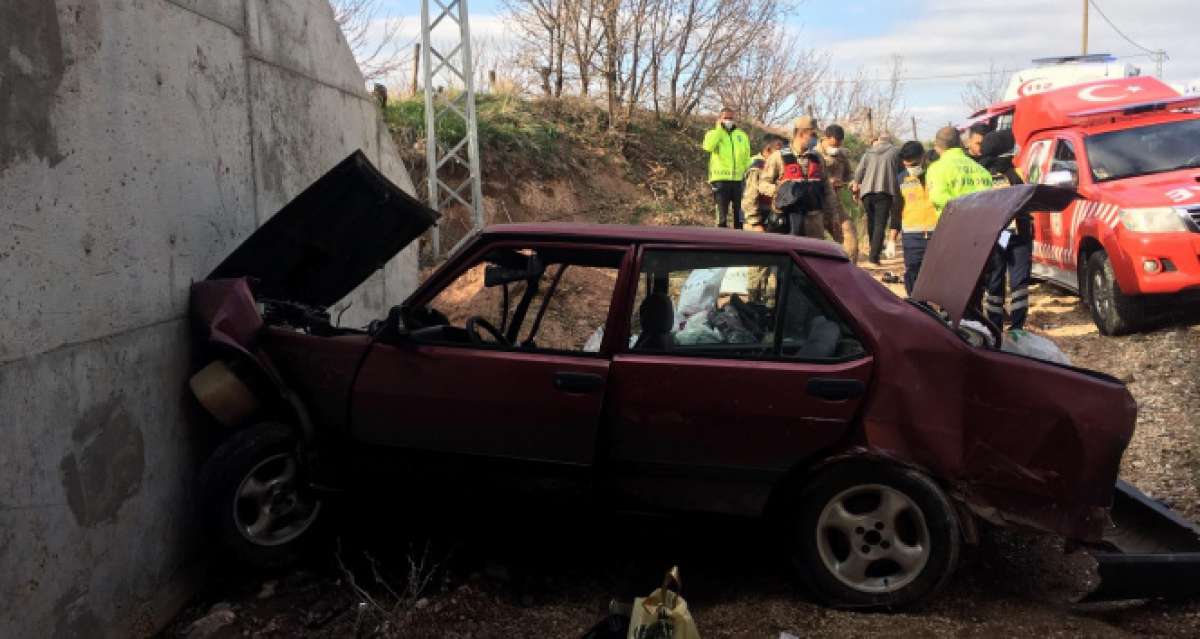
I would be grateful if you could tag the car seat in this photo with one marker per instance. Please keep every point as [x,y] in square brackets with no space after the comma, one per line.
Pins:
[657,315]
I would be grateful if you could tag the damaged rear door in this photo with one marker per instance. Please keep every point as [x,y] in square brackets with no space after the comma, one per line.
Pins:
[739,367]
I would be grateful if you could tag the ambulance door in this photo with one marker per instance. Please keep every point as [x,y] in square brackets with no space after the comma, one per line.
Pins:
[1045,223]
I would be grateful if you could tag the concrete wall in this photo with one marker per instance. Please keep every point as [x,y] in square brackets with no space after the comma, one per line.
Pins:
[140,141]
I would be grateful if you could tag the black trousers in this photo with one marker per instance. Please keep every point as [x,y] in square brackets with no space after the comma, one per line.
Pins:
[879,209]
[1017,260]
[728,195]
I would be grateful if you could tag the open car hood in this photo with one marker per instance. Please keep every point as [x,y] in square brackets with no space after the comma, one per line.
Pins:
[330,238]
[965,235]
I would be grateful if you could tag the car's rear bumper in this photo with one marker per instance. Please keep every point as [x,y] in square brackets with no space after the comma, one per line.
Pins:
[1149,551]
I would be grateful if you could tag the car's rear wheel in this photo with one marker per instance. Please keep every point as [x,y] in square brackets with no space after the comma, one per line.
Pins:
[257,502]
[874,535]
[1113,312]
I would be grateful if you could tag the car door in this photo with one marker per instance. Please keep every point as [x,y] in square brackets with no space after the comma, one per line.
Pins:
[1047,225]
[712,417]
[439,391]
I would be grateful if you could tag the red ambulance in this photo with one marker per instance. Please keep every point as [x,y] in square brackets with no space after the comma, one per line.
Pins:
[1130,246]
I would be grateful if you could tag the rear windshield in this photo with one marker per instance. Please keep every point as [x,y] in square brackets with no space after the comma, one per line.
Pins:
[1146,149]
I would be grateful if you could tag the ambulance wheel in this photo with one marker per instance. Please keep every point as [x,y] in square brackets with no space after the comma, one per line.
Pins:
[257,503]
[874,535]
[1113,312]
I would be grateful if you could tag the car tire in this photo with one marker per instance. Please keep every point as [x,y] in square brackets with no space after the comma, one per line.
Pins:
[256,502]
[874,535]
[1113,312]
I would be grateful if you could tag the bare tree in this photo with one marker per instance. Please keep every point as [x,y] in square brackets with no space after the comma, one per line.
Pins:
[985,90]
[864,103]
[373,37]
[542,25]
[773,84]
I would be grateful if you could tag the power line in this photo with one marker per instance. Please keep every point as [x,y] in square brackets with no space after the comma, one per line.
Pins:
[1119,32]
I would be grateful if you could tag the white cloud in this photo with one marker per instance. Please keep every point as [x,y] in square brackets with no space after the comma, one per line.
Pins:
[947,37]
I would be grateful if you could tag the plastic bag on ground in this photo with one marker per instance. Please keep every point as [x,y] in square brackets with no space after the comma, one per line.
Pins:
[652,620]
[1033,345]
[699,293]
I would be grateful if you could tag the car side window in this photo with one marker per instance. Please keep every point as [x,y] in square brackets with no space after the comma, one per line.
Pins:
[706,303]
[1035,161]
[547,299]
[1064,157]
[811,329]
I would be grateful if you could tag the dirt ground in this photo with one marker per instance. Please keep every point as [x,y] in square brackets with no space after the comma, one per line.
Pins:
[542,571]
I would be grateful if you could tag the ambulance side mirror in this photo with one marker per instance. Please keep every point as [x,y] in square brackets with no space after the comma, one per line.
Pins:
[1062,177]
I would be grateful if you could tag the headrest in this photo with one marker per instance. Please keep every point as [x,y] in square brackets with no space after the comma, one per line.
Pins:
[656,313]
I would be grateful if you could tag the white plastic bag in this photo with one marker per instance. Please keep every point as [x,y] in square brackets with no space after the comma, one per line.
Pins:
[696,330]
[1035,346]
[699,293]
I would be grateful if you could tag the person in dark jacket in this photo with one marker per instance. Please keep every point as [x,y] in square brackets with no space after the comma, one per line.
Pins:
[875,184]
[1014,250]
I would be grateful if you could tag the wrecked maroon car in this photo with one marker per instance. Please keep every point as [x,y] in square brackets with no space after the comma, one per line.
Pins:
[672,368]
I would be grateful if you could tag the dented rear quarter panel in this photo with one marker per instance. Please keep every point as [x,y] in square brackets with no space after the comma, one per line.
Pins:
[1019,440]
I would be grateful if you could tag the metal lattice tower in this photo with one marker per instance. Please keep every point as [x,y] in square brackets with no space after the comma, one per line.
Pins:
[456,63]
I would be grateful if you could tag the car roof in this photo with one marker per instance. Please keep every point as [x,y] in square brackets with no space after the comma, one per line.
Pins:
[685,235]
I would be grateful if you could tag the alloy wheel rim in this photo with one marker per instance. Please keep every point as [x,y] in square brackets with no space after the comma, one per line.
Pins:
[1100,294]
[873,538]
[269,509]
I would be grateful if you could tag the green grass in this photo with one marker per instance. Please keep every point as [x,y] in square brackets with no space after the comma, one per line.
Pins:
[505,126]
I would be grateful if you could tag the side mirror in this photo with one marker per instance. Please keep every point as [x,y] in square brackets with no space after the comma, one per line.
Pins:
[1062,177]
[392,327]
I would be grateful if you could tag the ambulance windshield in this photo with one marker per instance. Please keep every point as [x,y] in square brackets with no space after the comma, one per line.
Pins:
[1148,149]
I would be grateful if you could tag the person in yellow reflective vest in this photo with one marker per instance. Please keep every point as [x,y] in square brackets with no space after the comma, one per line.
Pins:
[953,174]
[729,157]
[918,217]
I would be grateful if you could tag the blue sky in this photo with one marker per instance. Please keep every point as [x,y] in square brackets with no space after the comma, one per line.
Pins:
[940,37]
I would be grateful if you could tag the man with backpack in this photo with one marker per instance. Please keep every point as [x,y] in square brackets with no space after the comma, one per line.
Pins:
[796,179]
[729,157]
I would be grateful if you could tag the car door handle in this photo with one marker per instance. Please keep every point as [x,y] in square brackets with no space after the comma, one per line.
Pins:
[577,382]
[835,390]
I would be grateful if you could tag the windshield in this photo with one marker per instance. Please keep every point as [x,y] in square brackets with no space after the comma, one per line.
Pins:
[1147,149]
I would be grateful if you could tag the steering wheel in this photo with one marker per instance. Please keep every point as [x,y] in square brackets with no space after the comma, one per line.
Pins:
[476,322]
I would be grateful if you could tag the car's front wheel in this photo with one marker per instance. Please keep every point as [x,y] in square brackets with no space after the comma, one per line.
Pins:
[256,501]
[1113,312]
[874,535]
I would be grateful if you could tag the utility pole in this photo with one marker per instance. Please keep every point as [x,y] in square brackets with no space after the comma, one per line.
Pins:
[416,66]
[438,104]
[914,123]
[1159,56]
[1085,25]
[870,126]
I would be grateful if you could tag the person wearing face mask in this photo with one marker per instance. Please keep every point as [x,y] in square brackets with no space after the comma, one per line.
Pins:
[838,167]
[917,214]
[729,157]
[876,185]
[797,181]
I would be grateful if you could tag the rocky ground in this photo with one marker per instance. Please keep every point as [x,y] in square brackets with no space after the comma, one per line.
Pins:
[545,572]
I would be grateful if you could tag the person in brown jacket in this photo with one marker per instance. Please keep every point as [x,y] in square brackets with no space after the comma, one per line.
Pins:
[801,164]
[837,165]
